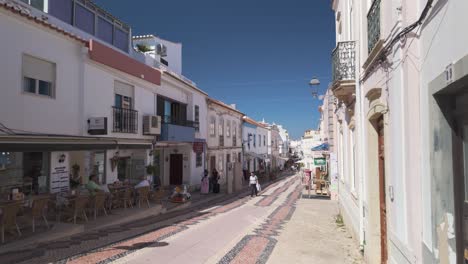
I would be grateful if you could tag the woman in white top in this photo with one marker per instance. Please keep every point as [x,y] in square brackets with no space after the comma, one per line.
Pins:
[253,184]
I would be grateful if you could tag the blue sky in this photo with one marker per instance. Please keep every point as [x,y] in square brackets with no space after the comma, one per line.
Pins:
[258,54]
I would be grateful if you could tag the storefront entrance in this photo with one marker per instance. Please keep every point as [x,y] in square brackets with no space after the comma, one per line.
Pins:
[176,169]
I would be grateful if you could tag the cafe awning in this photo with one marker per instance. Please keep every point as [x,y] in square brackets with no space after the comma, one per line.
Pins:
[39,143]
[321,147]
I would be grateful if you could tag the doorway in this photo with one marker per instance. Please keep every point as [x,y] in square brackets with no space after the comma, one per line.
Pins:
[176,169]
[212,163]
[382,196]
[124,168]
[460,164]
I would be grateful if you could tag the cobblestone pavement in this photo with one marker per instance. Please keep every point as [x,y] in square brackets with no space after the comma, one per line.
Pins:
[67,249]
[236,229]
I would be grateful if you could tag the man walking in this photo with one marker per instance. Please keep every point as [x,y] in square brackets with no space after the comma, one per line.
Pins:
[253,184]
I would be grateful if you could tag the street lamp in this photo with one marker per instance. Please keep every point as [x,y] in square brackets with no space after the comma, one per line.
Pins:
[312,83]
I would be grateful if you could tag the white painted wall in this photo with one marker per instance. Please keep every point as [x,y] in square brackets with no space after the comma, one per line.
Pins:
[22,111]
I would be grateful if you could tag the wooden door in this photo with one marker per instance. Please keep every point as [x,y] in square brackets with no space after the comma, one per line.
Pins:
[176,169]
[382,199]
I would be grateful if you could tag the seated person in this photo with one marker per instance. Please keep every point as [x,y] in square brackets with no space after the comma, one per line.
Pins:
[92,185]
[143,183]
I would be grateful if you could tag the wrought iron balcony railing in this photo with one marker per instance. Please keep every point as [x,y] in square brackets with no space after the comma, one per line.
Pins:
[373,25]
[179,122]
[343,61]
[125,120]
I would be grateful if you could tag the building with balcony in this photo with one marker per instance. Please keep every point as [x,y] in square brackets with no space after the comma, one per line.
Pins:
[91,104]
[400,130]
[76,102]
[254,140]
[225,143]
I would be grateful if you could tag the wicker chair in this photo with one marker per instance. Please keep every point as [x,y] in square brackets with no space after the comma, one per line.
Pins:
[39,210]
[127,198]
[143,195]
[78,208]
[98,202]
[8,219]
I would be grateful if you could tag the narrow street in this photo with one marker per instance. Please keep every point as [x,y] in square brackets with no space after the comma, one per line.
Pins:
[267,228]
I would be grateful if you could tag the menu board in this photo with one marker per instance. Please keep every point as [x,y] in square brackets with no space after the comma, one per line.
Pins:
[59,176]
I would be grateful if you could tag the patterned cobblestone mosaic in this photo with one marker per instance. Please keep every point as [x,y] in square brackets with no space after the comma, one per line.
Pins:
[258,247]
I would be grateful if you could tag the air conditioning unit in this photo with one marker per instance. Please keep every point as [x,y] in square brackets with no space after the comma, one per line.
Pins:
[161,50]
[151,125]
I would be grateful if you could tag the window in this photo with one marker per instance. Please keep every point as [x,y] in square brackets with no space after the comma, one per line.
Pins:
[198,160]
[38,76]
[213,126]
[197,118]
[228,128]
[254,140]
[221,127]
[259,140]
[84,19]
[39,4]
[61,9]
[121,39]
[125,118]
[105,30]
[264,140]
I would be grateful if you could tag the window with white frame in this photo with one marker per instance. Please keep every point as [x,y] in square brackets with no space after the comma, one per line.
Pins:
[228,128]
[221,127]
[213,126]
[199,159]
[38,76]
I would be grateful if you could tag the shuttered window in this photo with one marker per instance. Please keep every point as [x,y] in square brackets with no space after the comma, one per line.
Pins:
[38,76]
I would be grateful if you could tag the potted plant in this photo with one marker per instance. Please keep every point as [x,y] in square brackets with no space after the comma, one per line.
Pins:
[150,169]
[143,48]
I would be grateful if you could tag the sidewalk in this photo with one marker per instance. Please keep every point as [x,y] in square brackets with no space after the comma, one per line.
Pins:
[118,220]
[313,236]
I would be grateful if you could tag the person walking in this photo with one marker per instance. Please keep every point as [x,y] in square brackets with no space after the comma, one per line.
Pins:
[214,179]
[253,180]
[205,183]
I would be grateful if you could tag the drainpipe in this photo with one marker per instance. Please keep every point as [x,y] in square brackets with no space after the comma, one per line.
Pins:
[363,146]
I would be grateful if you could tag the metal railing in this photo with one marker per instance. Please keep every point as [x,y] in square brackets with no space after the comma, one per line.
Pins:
[125,120]
[373,25]
[234,140]
[344,61]
[179,122]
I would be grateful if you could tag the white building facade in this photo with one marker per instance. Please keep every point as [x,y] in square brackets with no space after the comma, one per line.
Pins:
[225,143]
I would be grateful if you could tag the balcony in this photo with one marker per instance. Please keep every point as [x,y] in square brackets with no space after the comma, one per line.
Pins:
[177,129]
[373,26]
[125,120]
[344,70]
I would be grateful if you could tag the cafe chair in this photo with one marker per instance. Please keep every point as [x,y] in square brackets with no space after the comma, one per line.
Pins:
[78,208]
[39,207]
[99,203]
[127,198]
[143,195]
[8,219]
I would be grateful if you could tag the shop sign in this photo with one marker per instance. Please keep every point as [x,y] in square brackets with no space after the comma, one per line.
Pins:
[59,176]
[320,161]
[97,126]
[198,147]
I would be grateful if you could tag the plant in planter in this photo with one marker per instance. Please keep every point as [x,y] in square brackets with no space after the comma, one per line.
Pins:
[143,48]
[150,169]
